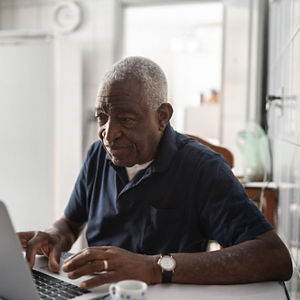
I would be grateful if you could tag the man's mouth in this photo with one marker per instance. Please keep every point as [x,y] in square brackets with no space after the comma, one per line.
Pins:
[115,150]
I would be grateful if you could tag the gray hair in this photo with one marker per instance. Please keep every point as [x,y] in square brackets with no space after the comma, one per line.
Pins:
[146,72]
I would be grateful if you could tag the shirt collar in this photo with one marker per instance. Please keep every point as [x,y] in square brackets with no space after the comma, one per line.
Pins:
[166,150]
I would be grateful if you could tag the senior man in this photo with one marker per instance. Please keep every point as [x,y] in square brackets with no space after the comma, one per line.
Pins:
[152,199]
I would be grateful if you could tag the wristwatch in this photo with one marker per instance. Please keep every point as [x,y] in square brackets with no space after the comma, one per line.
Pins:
[167,264]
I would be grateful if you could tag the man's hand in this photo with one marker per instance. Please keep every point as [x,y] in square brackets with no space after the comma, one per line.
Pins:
[52,242]
[121,264]
[43,243]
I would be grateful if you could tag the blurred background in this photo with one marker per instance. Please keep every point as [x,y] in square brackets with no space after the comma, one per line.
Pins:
[221,58]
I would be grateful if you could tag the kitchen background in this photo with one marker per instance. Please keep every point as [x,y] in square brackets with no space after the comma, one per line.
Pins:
[221,59]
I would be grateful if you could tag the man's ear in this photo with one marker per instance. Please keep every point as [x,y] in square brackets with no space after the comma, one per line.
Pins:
[165,112]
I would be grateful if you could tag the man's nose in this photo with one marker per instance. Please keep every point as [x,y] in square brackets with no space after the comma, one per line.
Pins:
[112,131]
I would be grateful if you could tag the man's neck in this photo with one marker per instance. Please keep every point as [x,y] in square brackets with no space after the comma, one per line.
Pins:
[132,171]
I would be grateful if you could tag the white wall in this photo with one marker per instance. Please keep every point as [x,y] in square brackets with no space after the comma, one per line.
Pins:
[67,121]
[284,122]
[86,51]
[41,148]
[26,132]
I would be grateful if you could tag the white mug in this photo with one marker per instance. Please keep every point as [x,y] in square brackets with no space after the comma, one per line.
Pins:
[128,290]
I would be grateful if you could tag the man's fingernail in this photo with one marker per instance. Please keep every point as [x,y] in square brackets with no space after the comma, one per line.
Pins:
[54,269]
[65,267]
[83,285]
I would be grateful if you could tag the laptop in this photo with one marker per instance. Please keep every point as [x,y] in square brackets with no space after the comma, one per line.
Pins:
[18,282]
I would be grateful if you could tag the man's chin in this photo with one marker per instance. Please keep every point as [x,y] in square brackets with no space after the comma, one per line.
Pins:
[119,162]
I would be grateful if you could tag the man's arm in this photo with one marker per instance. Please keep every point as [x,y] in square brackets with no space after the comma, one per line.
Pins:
[263,258]
[60,237]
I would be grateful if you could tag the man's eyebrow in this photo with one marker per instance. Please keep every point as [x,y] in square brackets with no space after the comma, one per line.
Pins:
[109,108]
[104,105]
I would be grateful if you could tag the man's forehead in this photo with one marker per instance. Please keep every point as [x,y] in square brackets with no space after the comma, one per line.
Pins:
[116,95]
[120,87]
[116,104]
[108,98]
[120,95]
[116,100]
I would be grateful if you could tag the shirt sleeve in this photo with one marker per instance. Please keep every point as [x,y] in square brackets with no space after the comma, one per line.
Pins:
[227,214]
[77,207]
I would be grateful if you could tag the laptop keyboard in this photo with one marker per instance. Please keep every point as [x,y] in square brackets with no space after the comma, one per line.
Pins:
[52,288]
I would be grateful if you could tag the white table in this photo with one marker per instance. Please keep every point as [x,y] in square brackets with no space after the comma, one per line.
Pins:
[252,291]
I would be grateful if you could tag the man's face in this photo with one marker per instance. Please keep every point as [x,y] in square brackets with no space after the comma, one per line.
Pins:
[128,128]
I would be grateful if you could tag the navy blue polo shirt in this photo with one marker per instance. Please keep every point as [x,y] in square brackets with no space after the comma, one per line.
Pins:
[185,197]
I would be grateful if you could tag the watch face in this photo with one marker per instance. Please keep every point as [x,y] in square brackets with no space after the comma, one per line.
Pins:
[167,263]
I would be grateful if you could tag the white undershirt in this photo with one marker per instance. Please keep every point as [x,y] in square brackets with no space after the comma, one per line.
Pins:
[132,171]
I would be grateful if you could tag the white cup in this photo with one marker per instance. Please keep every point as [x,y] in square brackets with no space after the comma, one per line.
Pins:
[128,290]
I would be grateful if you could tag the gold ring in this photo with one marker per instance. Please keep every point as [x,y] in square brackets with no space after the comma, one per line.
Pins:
[105,264]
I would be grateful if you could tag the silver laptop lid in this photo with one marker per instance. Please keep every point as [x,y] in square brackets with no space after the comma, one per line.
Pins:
[15,279]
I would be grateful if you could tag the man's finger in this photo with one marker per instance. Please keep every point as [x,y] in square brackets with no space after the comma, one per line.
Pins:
[54,259]
[87,269]
[84,250]
[27,235]
[24,237]
[32,248]
[82,258]
[30,256]
[71,257]
[99,280]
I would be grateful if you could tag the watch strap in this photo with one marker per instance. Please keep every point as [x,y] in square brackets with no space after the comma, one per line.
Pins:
[167,275]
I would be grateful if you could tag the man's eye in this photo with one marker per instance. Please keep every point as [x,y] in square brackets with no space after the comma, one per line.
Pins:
[127,121]
[101,118]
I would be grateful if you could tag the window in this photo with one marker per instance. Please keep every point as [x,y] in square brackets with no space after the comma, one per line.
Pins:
[186,41]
